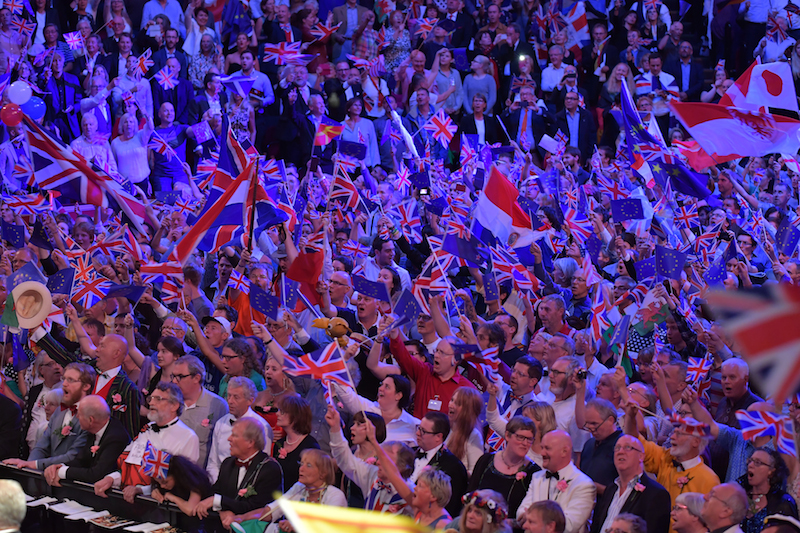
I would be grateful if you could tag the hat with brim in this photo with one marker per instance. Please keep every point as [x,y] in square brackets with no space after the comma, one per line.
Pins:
[32,303]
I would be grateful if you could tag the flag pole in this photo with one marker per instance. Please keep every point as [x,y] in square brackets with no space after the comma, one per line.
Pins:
[253,206]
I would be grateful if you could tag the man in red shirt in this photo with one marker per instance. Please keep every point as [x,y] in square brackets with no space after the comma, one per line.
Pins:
[436,382]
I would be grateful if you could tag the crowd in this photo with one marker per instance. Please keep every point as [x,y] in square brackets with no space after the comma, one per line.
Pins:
[452,259]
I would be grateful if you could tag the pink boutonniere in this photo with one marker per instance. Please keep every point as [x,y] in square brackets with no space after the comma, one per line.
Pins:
[205,422]
[521,475]
[282,453]
[371,460]
[562,485]
[682,482]
[638,487]
[66,430]
[94,449]
[116,398]
[242,492]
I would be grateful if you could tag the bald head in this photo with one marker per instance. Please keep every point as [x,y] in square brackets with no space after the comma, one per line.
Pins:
[725,505]
[111,352]
[93,413]
[556,450]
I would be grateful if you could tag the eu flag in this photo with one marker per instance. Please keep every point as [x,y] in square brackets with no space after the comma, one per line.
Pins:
[373,289]
[357,151]
[787,237]
[716,274]
[627,209]
[29,272]
[13,234]
[263,302]
[407,306]
[436,206]
[61,282]
[463,248]
[420,180]
[39,236]
[669,262]
[460,350]
[131,292]
[645,268]
[292,290]
[620,335]
[490,292]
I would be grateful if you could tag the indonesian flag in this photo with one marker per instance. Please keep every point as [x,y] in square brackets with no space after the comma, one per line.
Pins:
[740,132]
[498,211]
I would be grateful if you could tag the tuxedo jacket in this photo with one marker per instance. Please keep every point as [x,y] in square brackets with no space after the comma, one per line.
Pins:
[10,425]
[67,122]
[336,96]
[264,474]
[27,417]
[199,105]
[653,504]
[126,409]
[88,467]
[577,498]
[181,97]
[448,463]
[53,447]
[462,35]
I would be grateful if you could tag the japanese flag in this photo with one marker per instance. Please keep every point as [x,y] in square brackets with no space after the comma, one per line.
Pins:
[771,85]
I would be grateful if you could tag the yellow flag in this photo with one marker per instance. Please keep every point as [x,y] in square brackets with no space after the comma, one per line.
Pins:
[315,518]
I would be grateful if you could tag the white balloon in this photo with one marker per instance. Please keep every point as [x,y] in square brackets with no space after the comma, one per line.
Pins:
[19,92]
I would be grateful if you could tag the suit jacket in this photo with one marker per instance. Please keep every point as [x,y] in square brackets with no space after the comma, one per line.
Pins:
[265,476]
[181,97]
[126,409]
[111,62]
[511,56]
[576,500]
[10,427]
[200,105]
[696,78]
[67,123]
[53,447]
[79,65]
[652,504]
[88,467]
[591,82]
[160,61]
[27,417]
[462,35]
[337,95]
[587,131]
[557,97]
[340,15]
[448,463]
[541,124]
[494,132]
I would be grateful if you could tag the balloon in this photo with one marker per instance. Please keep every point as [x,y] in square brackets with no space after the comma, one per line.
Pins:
[35,108]
[19,92]
[11,114]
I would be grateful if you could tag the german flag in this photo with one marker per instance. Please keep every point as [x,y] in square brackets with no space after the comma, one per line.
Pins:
[327,131]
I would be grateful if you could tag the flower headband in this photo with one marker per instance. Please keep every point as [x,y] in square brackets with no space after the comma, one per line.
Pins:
[495,510]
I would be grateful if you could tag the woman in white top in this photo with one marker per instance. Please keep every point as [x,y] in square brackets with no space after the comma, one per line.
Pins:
[196,26]
[464,440]
[95,147]
[130,149]
[315,485]
[394,395]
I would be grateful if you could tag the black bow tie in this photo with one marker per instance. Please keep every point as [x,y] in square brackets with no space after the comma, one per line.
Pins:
[549,474]
[245,464]
[421,454]
[545,373]
[232,421]
[155,428]
[677,465]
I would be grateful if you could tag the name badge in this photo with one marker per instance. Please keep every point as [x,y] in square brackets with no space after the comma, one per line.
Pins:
[435,405]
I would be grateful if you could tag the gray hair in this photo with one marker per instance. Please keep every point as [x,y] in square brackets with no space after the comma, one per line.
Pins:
[175,394]
[12,504]
[638,525]
[569,344]
[252,431]
[54,395]
[603,407]
[693,501]
[740,365]
[194,366]
[179,321]
[567,264]
[439,484]
[94,406]
[557,299]
[245,384]
[573,363]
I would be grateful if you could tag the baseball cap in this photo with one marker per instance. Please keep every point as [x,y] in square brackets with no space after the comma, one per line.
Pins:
[222,321]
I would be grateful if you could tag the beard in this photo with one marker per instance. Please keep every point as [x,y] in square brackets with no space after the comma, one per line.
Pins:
[152,416]
[676,451]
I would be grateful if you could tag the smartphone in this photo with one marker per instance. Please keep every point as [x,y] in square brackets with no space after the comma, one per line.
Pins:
[460,187]
[424,192]
[312,167]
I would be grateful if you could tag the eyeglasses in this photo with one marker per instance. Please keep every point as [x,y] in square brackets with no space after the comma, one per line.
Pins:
[679,507]
[626,448]
[522,438]
[158,399]
[723,502]
[440,352]
[333,282]
[229,357]
[557,373]
[178,377]
[758,463]
[425,432]
[71,380]
[274,327]
[594,425]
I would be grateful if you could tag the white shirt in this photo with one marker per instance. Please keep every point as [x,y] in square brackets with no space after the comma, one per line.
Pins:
[372,270]
[618,501]
[480,125]
[217,505]
[402,428]
[38,416]
[221,448]
[62,472]
[104,377]
[576,500]
[551,77]
[422,462]
[565,420]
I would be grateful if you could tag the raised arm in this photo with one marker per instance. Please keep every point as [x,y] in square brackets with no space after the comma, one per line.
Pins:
[202,342]
[87,346]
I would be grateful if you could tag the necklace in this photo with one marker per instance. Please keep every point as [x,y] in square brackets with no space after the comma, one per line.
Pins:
[290,443]
[510,465]
[754,499]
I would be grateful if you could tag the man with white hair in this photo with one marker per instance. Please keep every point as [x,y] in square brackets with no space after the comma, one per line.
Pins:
[12,506]
[726,506]
[241,394]
[735,387]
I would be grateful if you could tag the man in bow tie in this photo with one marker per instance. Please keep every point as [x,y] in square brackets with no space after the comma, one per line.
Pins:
[64,436]
[98,456]
[562,482]
[165,432]
[248,478]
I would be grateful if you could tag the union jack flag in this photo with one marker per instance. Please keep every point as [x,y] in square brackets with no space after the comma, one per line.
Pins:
[774,30]
[518,82]
[441,127]
[107,245]
[652,152]
[84,270]
[488,363]
[281,53]
[457,227]
[15,6]
[687,216]
[27,204]
[239,281]
[402,184]
[326,365]
[579,225]
[506,267]
[171,290]
[698,368]
[612,188]
[495,441]
[167,78]
[407,214]
[760,423]
[91,292]
[425,27]
[468,152]
[323,32]
[652,4]
[144,63]
[23,26]
[131,245]
[155,463]
[316,241]
[355,249]
[161,146]
[74,40]
[342,188]
[562,139]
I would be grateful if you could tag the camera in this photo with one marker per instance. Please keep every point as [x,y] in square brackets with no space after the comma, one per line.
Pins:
[581,374]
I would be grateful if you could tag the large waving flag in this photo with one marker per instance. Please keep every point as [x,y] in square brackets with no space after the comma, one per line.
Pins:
[315,518]
[326,365]
[498,211]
